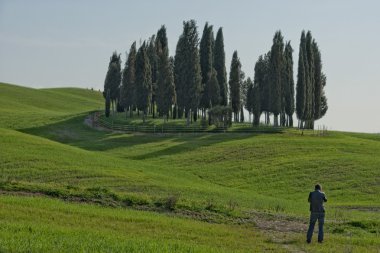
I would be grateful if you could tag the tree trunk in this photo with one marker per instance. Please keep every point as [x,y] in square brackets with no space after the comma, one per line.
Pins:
[275,120]
[187,115]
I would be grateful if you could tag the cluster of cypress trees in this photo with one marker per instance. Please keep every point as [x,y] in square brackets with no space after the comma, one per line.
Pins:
[147,78]
[184,86]
[311,101]
[272,91]
[195,80]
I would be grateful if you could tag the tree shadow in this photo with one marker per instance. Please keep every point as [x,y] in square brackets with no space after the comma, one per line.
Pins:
[190,142]
[72,131]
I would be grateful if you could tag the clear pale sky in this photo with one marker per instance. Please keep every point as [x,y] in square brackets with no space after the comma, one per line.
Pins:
[68,43]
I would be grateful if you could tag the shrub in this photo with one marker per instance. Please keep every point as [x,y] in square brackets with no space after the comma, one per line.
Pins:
[170,202]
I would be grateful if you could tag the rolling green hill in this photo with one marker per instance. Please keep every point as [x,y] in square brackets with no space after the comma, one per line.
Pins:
[22,107]
[199,192]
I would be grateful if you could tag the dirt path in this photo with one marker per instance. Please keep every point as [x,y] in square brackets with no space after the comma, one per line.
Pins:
[281,229]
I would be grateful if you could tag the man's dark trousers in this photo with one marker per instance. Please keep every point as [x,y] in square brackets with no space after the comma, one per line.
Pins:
[314,216]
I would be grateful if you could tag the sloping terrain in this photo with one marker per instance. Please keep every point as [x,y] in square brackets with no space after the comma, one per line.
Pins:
[247,190]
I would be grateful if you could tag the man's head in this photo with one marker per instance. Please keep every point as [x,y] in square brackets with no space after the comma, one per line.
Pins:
[318,187]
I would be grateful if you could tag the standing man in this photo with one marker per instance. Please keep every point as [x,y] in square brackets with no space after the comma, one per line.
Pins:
[317,212]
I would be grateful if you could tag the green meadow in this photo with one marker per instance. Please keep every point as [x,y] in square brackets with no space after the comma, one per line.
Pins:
[67,187]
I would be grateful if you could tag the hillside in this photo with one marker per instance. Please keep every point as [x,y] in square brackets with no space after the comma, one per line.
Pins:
[200,192]
[22,107]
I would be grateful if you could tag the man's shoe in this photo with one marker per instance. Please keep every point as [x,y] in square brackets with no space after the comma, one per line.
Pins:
[320,241]
[308,241]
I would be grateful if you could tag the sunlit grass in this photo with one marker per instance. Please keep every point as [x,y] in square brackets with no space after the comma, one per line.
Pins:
[221,178]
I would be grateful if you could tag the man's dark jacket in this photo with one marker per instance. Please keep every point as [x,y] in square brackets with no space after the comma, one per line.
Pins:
[316,199]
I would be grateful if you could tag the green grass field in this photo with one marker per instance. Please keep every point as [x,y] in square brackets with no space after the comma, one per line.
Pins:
[66,187]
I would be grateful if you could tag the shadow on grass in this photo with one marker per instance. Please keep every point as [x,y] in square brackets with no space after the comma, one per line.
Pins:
[74,132]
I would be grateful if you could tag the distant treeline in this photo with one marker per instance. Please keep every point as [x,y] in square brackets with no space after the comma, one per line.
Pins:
[193,83]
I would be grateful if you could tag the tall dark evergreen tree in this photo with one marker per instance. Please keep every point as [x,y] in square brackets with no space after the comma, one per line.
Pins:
[143,80]
[317,80]
[165,95]
[113,79]
[234,83]
[213,89]
[261,82]
[288,86]
[276,71]
[324,105]
[220,66]
[206,62]
[249,98]
[309,103]
[127,92]
[188,77]
[320,100]
[179,75]
[301,81]
[256,104]
[153,58]
[310,83]
[243,94]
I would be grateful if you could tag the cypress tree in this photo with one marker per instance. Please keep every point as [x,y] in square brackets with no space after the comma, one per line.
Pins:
[165,79]
[256,104]
[289,84]
[127,92]
[143,80]
[324,105]
[248,104]
[220,66]
[320,100]
[187,71]
[113,79]
[301,81]
[243,94]
[317,80]
[234,83]
[153,58]
[213,89]
[108,102]
[276,65]
[241,113]
[261,82]
[310,83]
[309,102]
[206,63]
[113,59]
[179,72]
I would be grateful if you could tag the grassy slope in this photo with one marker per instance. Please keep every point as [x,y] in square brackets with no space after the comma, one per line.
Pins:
[65,227]
[269,173]
[22,107]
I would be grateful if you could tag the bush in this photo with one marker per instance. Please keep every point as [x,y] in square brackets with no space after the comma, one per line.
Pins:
[221,116]
[171,202]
